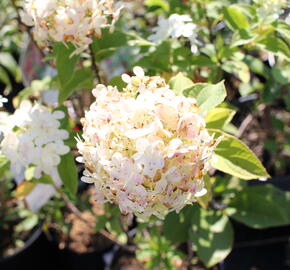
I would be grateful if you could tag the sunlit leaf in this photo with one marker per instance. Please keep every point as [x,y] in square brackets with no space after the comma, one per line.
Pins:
[232,156]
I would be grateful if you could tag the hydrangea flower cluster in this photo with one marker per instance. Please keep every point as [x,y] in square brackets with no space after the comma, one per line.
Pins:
[69,20]
[32,136]
[146,148]
[175,26]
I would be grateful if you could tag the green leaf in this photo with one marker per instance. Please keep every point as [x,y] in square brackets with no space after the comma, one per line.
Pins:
[261,207]
[29,173]
[81,78]
[232,156]
[202,61]
[4,78]
[283,29]
[204,200]
[109,39]
[158,3]
[107,45]
[8,61]
[4,164]
[207,96]
[275,45]
[281,74]
[212,235]
[219,117]
[28,223]
[158,59]
[44,179]
[176,226]
[235,18]
[239,68]
[118,82]
[68,173]
[179,83]
[257,66]
[286,99]
[65,63]
[101,222]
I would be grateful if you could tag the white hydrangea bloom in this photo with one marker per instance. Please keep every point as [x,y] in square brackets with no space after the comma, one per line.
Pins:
[175,26]
[2,100]
[69,20]
[146,148]
[32,136]
[270,8]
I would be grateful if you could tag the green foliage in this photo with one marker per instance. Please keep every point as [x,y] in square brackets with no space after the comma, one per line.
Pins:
[4,163]
[235,18]
[218,118]
[112,41]
[9,63]
[232,156]
[118,82]
[82,78]
[179,224]
[156,251]
[70,79]
[158,58]
[179,83]
[68,173]
[212,234]
[157,4]
[65,62]
[261,207]
[207,96]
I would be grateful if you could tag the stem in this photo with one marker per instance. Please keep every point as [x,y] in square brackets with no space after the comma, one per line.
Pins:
[78,214]
[23,27]
[94,64]
[190,253]
[245,124]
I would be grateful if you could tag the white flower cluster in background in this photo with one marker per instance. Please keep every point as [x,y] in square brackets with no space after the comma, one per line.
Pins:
[270,8]
[2,100]
[146,148]
[32,137]
[69,20]
[176,26]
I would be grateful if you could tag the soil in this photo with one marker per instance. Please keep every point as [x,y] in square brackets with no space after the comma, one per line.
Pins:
[128,263]
[260,129]
[82,237]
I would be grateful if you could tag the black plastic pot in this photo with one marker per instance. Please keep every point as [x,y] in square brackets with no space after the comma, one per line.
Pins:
[36,254]
[267,249]
[71,260]
[282,182]
[75,261]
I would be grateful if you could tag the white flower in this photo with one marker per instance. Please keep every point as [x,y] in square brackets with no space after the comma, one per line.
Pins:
[270,8]
[33,137]
[145,148]
[66,20]
[175,26]
[2,100]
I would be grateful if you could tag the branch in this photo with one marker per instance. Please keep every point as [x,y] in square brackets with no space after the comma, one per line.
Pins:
[23,27]
[78,214]
[94,64]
